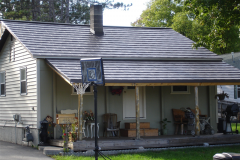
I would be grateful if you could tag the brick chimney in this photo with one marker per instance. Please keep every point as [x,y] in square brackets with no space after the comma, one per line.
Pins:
[96,20]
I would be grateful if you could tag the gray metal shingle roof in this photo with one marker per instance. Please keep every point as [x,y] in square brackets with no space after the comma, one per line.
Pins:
[130,54]
[152,71]
[51,40]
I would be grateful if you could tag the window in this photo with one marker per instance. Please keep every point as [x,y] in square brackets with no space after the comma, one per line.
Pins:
[88,91]
[23,81]
[12,50]
[180,90]
[3,85]
[129,108]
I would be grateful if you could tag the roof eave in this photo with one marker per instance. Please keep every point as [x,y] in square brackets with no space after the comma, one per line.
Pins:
[213,59]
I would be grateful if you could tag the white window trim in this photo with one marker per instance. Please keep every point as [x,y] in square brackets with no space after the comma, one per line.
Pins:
[86,93]
[180,92]
[4,84]
[21,80]
[144,106]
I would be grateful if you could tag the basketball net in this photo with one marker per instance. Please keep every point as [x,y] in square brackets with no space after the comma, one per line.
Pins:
[80,88]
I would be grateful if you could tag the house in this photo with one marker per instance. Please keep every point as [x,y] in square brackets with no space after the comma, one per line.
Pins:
[40,61]
[232,90]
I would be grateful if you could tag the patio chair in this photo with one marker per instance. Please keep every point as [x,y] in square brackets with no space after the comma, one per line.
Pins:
[111,125]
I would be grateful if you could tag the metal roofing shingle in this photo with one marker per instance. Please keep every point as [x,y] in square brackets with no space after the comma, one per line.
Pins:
[152,71]
[51,40]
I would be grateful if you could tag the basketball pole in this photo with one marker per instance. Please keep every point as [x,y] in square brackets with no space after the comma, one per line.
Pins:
[95,111]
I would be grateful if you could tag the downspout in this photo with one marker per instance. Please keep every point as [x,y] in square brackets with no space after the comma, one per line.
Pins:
[137,112]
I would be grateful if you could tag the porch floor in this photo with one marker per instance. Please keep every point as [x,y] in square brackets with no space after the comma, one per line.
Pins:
[114,143]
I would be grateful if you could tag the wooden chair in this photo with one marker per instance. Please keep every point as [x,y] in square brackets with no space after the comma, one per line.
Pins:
[179,120]
[111,124]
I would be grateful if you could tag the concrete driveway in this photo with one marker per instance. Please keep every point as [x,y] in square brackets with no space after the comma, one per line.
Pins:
[10,151]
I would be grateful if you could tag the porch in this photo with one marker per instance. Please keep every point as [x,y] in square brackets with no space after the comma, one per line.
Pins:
[114,143]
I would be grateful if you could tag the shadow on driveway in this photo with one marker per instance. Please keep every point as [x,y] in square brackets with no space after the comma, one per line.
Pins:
[11,151]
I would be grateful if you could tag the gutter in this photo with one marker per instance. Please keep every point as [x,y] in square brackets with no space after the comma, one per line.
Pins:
[182,59]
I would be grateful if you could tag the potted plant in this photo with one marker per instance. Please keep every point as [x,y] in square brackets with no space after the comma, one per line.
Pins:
[89,117]
[221,96]
[164,125]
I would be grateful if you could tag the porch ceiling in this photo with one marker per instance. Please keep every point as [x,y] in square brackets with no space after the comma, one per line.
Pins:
[153,73]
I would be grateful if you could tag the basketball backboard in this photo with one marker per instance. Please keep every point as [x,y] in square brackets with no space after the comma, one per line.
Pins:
[92,70]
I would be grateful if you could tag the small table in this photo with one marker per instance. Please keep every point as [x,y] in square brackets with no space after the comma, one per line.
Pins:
[92,125]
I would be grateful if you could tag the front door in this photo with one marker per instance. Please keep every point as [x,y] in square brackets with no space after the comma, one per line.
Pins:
[129,108]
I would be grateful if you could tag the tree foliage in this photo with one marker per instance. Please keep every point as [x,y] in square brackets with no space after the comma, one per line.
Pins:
[223,20]
[159,13]
[213,24]
[62,11]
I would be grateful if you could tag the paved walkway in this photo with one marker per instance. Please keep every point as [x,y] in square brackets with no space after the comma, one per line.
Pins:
[11,151]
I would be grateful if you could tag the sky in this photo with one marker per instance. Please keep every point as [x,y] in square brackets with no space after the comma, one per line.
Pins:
[119,17]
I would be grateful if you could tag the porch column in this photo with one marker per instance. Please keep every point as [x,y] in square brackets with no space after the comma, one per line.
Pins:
[137,112]
[197,126]
[80,119]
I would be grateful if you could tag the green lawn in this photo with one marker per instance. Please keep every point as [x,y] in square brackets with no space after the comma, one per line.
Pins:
[203,153]
[234,127]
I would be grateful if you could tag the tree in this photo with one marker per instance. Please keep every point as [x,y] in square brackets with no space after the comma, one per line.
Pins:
[213,24]
[183,24]
[62,11]
[223,20]
[159,13]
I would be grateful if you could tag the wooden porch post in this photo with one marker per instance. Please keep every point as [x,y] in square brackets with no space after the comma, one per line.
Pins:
[197,126]
[80,119]
[137,112]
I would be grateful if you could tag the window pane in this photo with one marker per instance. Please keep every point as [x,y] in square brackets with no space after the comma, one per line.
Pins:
[179,88]
[2,89]
[2,77]
[23,87]
[23,74]
[88,89]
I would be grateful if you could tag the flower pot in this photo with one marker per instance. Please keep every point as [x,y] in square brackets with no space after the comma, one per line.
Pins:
[164,131]
[221,97]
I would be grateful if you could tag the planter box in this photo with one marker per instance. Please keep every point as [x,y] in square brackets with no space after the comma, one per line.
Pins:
[143,132]
[143,125]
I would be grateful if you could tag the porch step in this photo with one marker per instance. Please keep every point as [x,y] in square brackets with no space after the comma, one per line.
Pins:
[132,125]
[52,150]
[143,132]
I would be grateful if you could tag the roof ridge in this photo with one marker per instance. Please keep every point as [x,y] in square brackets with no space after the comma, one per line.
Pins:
[54,23]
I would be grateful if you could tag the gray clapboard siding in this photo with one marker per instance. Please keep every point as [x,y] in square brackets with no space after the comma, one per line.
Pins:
[13,102]
[229,89]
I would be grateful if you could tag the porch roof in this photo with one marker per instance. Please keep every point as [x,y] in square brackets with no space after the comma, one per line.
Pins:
[153,73]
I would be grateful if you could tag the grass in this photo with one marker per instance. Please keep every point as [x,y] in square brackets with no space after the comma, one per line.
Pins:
[203,153]
[234,127]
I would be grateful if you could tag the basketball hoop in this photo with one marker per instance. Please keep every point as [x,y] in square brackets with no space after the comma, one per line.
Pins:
[80,88]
